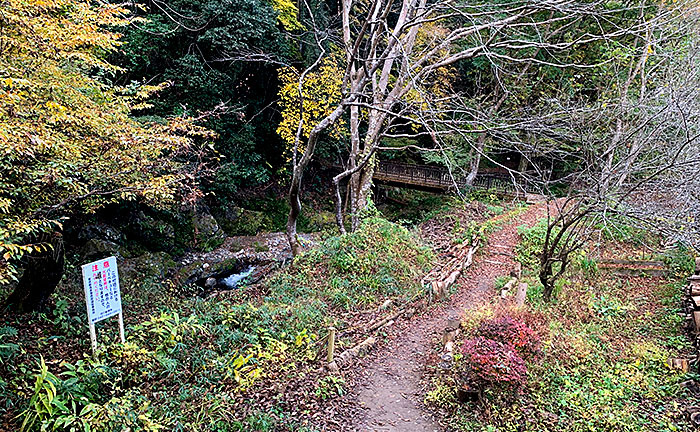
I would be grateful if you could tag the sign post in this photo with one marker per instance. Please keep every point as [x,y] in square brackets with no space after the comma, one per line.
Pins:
[102,296]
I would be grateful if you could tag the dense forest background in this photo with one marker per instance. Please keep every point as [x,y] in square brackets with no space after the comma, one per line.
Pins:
[226,153]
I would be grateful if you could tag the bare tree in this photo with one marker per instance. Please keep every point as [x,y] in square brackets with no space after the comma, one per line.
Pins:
[396,51]
[637,156]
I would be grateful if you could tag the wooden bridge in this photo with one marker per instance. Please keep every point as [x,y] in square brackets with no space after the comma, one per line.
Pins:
[439,179]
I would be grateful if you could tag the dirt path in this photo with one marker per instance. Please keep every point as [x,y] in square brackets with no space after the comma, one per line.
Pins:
[390,395]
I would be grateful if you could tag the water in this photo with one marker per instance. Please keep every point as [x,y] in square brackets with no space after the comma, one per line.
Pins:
[233,280]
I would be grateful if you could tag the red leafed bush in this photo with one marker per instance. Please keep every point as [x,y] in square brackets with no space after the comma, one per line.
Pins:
[488,363]
[511,332]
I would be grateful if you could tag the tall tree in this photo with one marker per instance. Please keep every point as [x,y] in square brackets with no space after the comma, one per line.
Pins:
[395,52]
[194,45]
[68,141]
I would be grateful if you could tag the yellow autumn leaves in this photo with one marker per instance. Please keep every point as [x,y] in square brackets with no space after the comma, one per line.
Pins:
[67,140]
[320,94]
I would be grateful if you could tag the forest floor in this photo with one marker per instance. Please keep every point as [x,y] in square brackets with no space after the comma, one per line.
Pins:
[391,383]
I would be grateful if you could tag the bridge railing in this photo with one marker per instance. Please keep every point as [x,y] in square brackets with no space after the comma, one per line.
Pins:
[439,177]
[414,174]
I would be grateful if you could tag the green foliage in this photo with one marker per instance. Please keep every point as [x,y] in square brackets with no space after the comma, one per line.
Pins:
[69,143]
[247,143]
[75,401]
[588,265]
[357,269]
[602,366]
[625,232]
[415,206]
[679,261]
[66,320]
[500,281]
[532,239]
[330,386]
[8,350]
[179,350]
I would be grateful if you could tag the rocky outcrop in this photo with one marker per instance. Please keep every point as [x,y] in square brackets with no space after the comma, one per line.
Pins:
[95,249]
[150,265]
[207,233]
[237,221]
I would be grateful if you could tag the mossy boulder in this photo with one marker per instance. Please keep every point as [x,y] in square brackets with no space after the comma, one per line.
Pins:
[155,234]
[95,249]
[208,235]
[150,265]
[237,221]
[100,231]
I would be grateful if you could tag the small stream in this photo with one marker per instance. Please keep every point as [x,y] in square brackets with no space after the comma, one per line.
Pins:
[233,280]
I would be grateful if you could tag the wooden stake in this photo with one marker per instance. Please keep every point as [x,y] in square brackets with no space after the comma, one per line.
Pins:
[521,294]
[331,344]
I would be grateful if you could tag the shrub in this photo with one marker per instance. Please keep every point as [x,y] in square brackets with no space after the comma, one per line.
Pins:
[489,364]
[354,270]
[531,243]
[679,261]
[509,331]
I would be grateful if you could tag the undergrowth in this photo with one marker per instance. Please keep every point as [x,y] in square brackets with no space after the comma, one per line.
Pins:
[194,364]
[603,359]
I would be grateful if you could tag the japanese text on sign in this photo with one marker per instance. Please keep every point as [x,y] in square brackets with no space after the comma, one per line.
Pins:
[101,282]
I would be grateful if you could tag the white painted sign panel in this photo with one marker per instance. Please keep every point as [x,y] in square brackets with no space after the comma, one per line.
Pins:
[102,296]
[101,282]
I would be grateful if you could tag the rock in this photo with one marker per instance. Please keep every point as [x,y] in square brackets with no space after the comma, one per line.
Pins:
[237,221]
[196,271]
[210,282]
[100,231]
[147,266]
[96,248]
[207,232]
[154,233]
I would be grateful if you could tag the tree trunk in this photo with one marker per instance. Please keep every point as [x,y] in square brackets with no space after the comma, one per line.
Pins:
[546,280]
[294,211]
[476,160]
[524,163]
[41,275]
[363,191]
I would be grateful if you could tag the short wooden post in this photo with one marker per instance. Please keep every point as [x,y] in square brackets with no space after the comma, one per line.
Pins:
[521,294]
[331,344]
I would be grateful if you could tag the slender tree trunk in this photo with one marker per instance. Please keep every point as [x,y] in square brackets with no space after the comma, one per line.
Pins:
[363,191]
[524,163]
[294,212]
[476,160]
[339,207]
[41,275]
[294,194]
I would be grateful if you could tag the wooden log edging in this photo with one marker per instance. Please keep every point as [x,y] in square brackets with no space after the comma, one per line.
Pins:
[440,281]
[334,364]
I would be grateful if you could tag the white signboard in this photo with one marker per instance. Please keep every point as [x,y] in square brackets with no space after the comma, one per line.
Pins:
[102,297]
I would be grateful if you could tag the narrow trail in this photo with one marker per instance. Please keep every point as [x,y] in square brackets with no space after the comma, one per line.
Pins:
[390,390]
